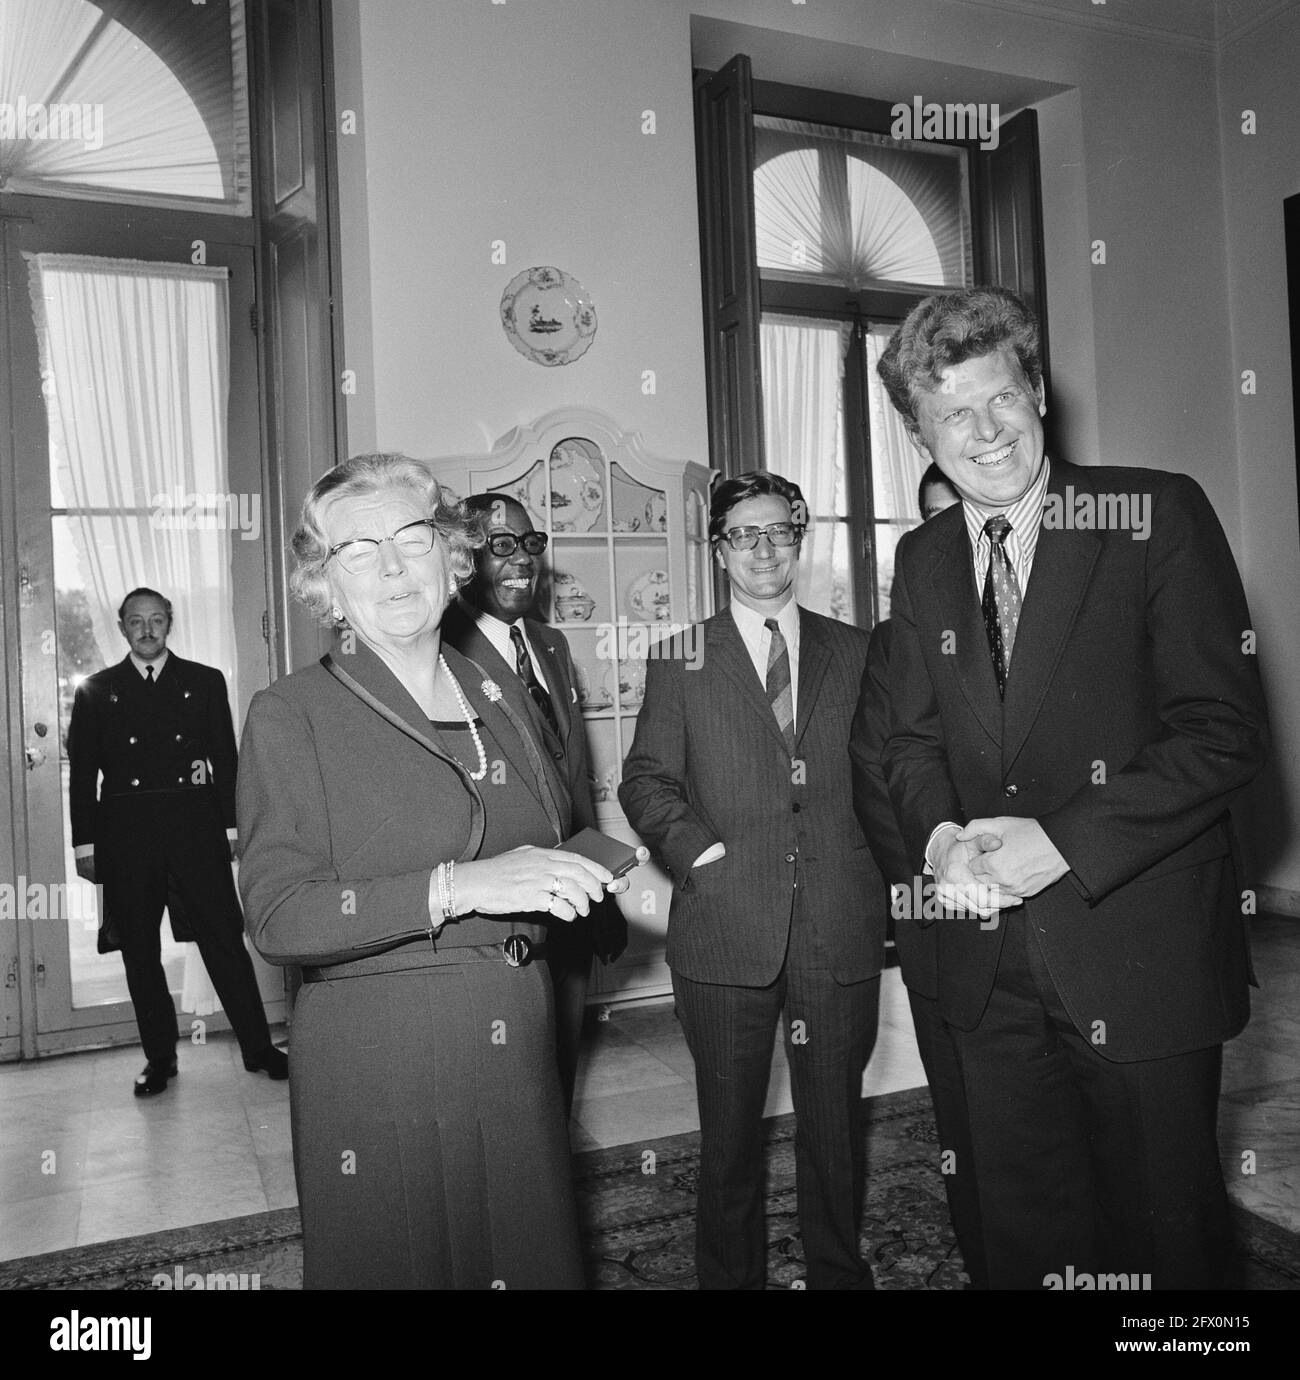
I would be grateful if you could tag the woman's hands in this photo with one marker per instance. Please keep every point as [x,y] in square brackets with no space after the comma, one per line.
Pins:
[531,879]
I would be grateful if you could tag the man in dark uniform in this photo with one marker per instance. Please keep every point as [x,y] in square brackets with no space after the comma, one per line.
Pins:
[159,730]
[535,666]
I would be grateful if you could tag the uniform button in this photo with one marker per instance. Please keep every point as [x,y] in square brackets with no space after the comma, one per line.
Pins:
[795,807]
[132,740]
[1012,790]
[135,780]
[187,694]
[558,755]
[178,737]
[180,780]
[789,857]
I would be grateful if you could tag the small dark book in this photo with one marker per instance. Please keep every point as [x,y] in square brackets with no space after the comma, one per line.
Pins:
[614,854]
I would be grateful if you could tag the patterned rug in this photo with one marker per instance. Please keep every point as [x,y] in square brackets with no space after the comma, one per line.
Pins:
[637,1209]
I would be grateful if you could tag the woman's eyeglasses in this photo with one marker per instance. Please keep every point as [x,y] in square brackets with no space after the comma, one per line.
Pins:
[362,553]
[506,543]
[746,538]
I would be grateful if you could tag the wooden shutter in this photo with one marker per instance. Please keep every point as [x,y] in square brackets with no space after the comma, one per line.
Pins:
[1007,215]
[724,141]
[306,425]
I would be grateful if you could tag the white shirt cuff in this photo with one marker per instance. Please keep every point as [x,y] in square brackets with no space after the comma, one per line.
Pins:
[929,843]
[84,850]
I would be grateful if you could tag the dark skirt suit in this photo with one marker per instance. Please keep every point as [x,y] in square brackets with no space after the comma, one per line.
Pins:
[430,1145]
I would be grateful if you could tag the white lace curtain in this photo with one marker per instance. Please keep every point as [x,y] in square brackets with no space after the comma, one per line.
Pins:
[135,368]
[148,107]
[855,209]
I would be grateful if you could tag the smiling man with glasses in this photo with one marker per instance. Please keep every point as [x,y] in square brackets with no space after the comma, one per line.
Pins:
[491,624]
[739,777]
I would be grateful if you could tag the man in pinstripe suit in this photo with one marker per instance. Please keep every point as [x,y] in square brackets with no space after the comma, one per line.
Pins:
[739,777]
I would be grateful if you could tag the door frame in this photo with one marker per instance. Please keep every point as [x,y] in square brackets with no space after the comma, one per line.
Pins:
[66,226]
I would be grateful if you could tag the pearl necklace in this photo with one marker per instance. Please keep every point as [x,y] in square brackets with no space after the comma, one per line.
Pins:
[469,719]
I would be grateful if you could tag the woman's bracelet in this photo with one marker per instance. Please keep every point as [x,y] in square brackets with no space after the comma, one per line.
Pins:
[447,891]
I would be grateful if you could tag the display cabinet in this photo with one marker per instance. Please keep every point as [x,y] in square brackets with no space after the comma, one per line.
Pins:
[628,564]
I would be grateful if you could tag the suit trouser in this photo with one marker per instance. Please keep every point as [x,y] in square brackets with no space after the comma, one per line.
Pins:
[943,1073]
[1112,1168]
[570,950]
[147,841]
[729,1032]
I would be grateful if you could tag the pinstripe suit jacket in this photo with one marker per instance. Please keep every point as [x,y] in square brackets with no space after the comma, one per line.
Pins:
[709,764]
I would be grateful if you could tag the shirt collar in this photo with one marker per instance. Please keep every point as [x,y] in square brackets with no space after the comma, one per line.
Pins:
[1025,515]
[750,622]
[158,663]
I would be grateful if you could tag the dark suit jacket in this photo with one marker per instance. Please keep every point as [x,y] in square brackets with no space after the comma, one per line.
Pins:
[1132,718]
[709,764]
[346,806]
[916,944]
[176,738]
[462,632]
[604,928]
[145,739]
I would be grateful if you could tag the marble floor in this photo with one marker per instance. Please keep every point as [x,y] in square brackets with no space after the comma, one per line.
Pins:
[80,1156]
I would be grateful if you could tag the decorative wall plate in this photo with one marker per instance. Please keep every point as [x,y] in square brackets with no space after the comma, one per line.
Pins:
[548,316]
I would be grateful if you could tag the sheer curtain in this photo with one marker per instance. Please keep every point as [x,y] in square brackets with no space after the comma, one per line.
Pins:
[135,371]
[151,109]
[855,208]
[803,372]
[896,464]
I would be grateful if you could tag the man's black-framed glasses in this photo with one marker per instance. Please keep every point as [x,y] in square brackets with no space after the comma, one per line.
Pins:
[507,543]
[746,538]
[362,553]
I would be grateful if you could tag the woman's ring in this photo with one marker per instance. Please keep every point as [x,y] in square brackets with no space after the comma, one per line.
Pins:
[555,886]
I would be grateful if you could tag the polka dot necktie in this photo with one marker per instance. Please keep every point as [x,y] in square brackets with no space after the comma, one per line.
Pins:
[1001,602]
[779,693]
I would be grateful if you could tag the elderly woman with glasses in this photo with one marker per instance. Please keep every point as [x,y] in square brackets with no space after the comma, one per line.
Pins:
[400,833]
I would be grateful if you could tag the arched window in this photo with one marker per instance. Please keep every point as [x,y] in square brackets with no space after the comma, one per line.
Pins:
[125,100]
[859,210]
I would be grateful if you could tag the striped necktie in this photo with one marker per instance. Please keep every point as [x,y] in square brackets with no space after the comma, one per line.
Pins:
[779,693]
[524,666]
[1001,602]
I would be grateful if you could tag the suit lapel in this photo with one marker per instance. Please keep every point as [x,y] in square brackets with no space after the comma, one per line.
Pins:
[814,658]
[953,584]
[1063,562]
[553,670]
[725,649]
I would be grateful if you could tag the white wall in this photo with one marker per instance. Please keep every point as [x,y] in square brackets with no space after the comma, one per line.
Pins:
[1259,72]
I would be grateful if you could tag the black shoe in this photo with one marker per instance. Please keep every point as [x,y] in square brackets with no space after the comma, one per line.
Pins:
[272,1061]
[153,1078]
